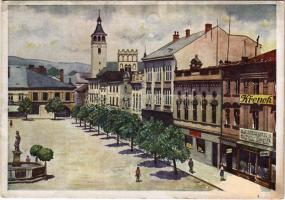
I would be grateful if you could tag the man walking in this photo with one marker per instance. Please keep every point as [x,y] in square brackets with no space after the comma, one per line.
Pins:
[222,173]
[191,165]
[138,174]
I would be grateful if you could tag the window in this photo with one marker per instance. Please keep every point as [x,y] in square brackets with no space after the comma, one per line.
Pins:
[149,74]
[45,96]
[178,104]
[148,96]
[195,104]
[167,97]
[103,38]
[186,106]
[237,83]
[67,96]
[99,50]
[228,87]
[255,87]
[35,96]
[99,38]
[227,116]
[21,97]
[57,94]
[168,73]
[117,101]
[10,97]
[200,145]
[255,120]
[214,114]
[237,117]
[157,94]
[117,89]
[157,72]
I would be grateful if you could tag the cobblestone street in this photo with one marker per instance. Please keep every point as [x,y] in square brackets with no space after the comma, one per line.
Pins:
[85,161]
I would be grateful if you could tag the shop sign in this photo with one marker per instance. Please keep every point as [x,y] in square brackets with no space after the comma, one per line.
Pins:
[229,150]
[196,134]
[264,153]
[255,136]
[228,143]
[256,99]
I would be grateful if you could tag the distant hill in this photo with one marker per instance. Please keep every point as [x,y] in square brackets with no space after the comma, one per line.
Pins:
[70,68]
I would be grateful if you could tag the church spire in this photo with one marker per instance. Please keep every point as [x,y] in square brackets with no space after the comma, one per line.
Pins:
[99,29]
[99,20]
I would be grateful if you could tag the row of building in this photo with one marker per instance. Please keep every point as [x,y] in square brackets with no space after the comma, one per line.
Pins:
[216,86]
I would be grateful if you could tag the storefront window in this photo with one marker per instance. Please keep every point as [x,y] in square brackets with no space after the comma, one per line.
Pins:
[263,168]
[188,141]
[200,145]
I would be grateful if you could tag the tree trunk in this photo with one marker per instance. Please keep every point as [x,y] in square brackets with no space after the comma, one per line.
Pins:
[45,168]
[90,126]
[155,158]
[98,130]
[118,139]
[79,122]
[174,167]
[132,143]
[76,120]
[85,124]
[26,116]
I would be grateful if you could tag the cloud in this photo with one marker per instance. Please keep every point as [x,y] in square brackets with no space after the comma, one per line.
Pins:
[62,33]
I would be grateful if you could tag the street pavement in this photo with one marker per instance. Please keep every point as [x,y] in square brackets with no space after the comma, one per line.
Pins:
[84,161]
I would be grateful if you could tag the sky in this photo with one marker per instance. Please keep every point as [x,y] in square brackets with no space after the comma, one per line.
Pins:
[62,33]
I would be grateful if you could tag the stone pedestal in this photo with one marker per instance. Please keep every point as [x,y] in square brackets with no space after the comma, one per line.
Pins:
[16,158]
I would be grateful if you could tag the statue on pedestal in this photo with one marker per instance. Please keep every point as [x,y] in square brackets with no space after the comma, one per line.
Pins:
[17,153]
[17,141]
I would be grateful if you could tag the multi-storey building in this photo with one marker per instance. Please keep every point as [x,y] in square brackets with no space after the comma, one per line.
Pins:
[211,46]
[249,116]
[138,98]
[128,59]
[197,111]
[35,84]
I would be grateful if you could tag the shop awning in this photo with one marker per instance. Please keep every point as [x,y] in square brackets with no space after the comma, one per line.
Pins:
[13,108]
[258,146]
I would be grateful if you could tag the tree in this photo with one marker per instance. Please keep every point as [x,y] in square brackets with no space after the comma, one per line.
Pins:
[54,105]
[34,151]
[117,119]
[90,109]
[45,154]
[53,71]
[131,127]
[94,118]
[75,111]
[26,107]
[173,147]
[149,137]
[83,115]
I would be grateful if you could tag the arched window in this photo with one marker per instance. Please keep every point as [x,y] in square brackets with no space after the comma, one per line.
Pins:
[134,58]
[121,58]
[99,50]
[99,38]
[103,38]
[134,66]
[130,58]
[95,38]
[121,66]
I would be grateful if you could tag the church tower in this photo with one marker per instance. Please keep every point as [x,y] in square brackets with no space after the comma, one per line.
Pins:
[98,48]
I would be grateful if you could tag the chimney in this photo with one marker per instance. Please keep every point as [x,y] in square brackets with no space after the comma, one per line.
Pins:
[187,33]
[61,76]
[31,67]
[8,71]
[208,27]
[42,70]
[175,36]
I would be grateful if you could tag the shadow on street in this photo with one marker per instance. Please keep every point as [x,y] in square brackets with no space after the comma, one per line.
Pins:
[170,175]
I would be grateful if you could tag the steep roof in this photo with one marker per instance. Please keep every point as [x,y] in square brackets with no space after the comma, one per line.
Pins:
[172,47]
[23,78]
[99,30]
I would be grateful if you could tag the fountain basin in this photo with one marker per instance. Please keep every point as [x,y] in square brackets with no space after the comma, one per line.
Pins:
[25,172]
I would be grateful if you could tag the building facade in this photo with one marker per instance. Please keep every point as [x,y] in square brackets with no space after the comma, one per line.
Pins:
[249,116]
[33,83]
[197,111]
[209,46]
[128,59]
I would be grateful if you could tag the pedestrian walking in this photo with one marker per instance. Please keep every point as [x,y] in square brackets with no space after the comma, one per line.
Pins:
[222,173]
[191,165]
[28,160]
[11,123]
[138,174]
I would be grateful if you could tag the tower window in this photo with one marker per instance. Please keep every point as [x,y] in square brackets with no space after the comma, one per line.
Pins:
[99,50]
[99,38]
[95,38]
[103,38]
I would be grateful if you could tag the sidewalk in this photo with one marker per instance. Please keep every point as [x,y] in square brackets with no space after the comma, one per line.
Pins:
[233,183]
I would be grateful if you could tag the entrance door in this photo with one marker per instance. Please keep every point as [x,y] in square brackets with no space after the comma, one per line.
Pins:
[215,154]
[229,159]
